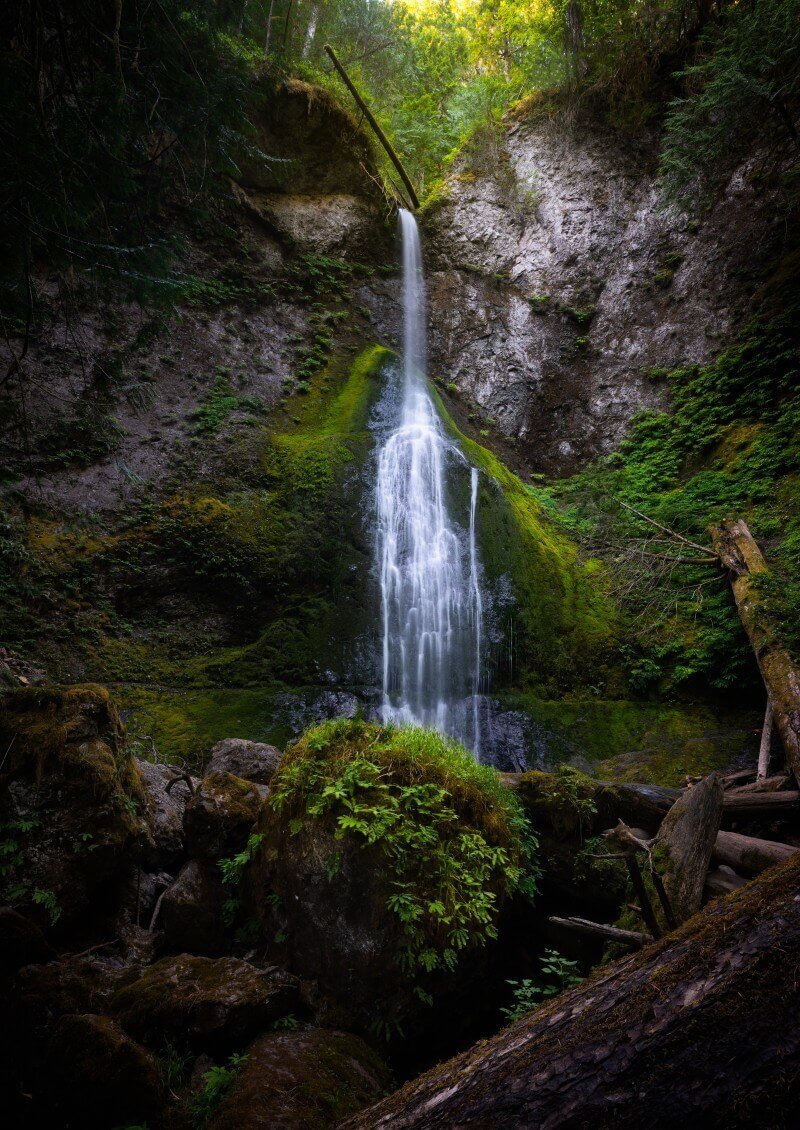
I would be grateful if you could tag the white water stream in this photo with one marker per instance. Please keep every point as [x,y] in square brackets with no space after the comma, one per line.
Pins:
[431,599]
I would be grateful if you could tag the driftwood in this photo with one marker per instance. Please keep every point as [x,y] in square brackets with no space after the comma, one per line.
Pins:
[746,853]
[700,1029]
[743,560]
[684,844]
[602,931]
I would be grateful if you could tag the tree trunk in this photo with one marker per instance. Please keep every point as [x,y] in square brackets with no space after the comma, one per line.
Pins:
[602,932]
[766,743]
[786,804]
[746,853]
[739,554]
[699,1029]
[683,846]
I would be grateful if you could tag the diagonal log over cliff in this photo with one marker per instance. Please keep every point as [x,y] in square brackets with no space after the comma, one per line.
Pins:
[702,1028]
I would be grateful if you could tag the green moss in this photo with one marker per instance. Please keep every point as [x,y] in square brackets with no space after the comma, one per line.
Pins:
[638,741]
[729,447]
[563,622]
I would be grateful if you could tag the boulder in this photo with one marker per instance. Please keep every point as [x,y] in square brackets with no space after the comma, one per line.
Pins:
[70,799]
[252,761]
[220,816]
[307,1078]
[190,916]
[213,1004]
[96,1076]
[166,804]
[21,942]
[41,994]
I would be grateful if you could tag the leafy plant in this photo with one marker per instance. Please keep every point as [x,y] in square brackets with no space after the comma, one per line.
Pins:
[232,871]
[217,1081]
[558,974]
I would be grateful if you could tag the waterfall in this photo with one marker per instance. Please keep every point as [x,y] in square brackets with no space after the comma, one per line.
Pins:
[429,569]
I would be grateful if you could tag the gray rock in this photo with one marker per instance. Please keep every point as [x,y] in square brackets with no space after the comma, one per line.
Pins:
[558,286]
[253,761]
[165,810]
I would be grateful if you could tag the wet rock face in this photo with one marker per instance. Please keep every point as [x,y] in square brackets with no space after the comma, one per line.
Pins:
[308,1078]
[319,193]
[559,291]
[252,761]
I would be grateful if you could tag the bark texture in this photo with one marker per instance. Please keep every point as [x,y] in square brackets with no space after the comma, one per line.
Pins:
[699,1029]
[741,557]
[750,854]
[684,844]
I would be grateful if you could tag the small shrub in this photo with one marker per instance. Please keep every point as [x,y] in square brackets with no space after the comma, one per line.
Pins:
[558,974]
[216,1083]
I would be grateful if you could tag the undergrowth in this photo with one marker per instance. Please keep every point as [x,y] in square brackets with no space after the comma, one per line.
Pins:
[730,447]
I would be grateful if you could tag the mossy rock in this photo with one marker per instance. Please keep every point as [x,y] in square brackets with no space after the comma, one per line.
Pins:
[220,815]
[386,856]
[212,1004]
[71,801]
[311,1077]
[562,620]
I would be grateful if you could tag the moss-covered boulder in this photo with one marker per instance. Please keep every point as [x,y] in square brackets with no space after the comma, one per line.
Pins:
[70,801]
[384,860]
[95,1076]
[219,817]
[310,1078]
[41,994]
[212,1004]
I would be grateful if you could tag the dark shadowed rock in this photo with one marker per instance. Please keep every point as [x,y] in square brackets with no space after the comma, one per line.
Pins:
[71,794]
[191,911]
[41,994]
[304,1079]
[96,1076]
[220,816]
[253,761]
[166,804]
[21,942]
[213,1004]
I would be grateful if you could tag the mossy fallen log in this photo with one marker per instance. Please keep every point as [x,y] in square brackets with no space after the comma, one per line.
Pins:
[745,565]
[701,1028]
[750,854]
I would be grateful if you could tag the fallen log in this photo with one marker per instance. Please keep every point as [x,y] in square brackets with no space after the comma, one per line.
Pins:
[762,785]
[747,853]
[683,846]
[743,560]
[700,1029]
[761,804]
[602,931]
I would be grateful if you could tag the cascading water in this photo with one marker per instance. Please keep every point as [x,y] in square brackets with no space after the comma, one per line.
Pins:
[429,570]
